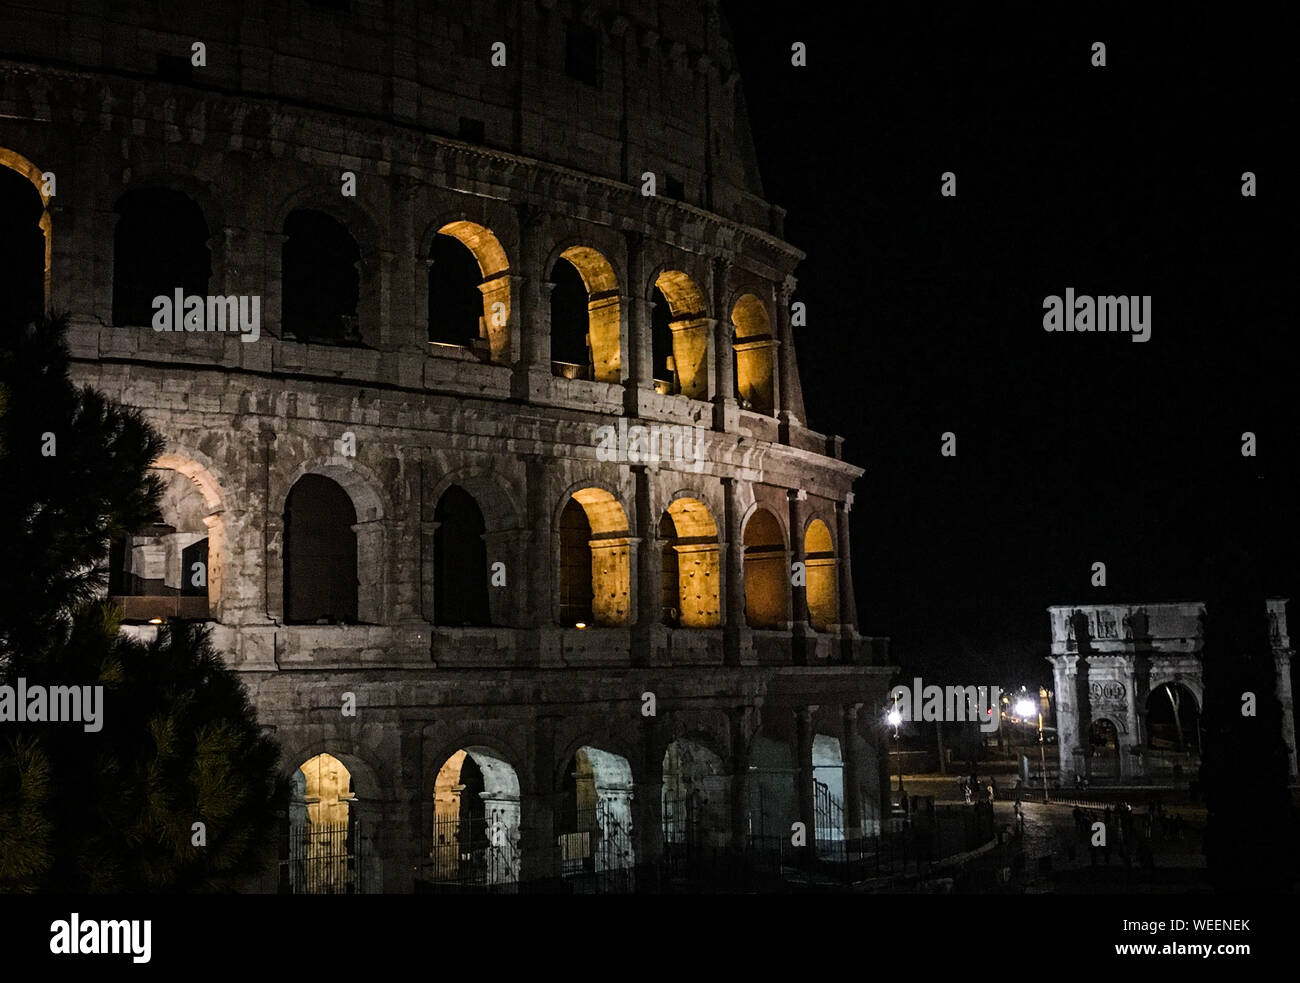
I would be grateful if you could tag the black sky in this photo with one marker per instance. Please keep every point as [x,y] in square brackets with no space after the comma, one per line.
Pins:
[925,313]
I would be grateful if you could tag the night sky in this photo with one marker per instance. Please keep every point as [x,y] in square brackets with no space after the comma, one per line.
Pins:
[925,313]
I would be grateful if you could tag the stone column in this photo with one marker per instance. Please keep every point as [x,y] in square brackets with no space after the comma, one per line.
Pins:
[804,772]
[1131,765]
[647,631]
[726,410]
[737,722]
[647,806]
[733,574]
[637,343]
[800,630]
[788,384]
[1282,664]
[532,373]
[538,806]
[272,536]
[852,779]
[844,579]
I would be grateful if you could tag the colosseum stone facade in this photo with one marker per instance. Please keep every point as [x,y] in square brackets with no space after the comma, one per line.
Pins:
[510,516]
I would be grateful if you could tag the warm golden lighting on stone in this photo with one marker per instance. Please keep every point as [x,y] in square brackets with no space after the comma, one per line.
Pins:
[767,583]
[755,360]
[823,592]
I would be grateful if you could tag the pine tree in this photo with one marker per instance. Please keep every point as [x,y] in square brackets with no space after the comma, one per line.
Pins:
[113,810]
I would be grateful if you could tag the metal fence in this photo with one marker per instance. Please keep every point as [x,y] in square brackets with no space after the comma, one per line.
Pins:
[473,854]
[324,859]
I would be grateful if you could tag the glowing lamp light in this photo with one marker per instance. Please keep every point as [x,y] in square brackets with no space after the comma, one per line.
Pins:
[895,718]
[580,624]
[155,621]
[1025,708]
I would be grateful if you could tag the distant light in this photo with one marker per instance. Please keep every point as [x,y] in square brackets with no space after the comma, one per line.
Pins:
[895,718]
[580,624]
[1025,708]
[155,621]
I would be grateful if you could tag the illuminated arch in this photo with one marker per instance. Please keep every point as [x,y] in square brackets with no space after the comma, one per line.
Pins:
[767,580]
[476,829]
[603,311]
[595,563]
[755,354]
[493,286]
[688,321]
[822,583]
[691,568]
[21,165]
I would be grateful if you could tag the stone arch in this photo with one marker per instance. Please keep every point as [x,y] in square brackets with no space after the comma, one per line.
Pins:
[460,560]
[755,348]
[321,277]
[604,314]
[594,819]
[24,168]
[691,569]
[162,242]
[332,794]
[1172,714]
[493,285]
[476,821]
[372,509]
[766,570]
[695,797]
[501,512]
[828,788]
[193,530]
[821,575]
[320,553]
[362,226]
[773,803]
[688,321]
[595,577]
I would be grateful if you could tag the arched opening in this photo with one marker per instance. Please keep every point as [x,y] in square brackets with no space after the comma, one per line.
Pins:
[1103,739]
[755,361]
[595,815]
[160,246]
[828,794]
[321,280]
[476,831]
[595,566]
[696,801]
[691,569]
[585,318]
[162,571]
[663,366]
[766,579]
[320,553]
[23,225]
[469,291]
[822,584]
[1173,719]
[772,804]
[323,856]
[682,328]
[460,569]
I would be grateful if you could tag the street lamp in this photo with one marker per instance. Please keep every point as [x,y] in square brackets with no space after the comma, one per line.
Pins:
[895,718]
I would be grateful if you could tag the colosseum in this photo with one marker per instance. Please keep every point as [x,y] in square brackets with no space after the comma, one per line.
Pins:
[471,339]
